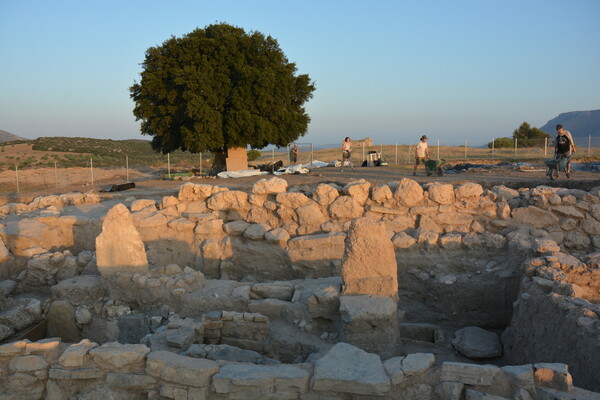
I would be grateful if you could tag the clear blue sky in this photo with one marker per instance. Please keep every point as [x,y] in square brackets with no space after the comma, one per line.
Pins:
[391,70]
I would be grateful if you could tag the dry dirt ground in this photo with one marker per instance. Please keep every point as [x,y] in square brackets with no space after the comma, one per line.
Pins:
[47,181]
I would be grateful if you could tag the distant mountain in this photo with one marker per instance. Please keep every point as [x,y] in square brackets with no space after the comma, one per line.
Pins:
[581,124]
[9,137]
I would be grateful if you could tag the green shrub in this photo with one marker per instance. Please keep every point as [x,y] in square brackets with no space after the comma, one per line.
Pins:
[500,143]
[253,155]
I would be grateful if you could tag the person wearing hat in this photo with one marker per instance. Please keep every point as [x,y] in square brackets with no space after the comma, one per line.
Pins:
[421,153]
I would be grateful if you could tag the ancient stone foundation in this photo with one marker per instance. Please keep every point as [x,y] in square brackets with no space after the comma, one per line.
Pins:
[335,291]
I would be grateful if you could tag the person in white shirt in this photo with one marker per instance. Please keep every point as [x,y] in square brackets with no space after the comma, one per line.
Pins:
[421,153]
[347,153]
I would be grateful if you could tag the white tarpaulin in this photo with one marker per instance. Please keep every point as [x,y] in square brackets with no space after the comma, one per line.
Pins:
[241,174]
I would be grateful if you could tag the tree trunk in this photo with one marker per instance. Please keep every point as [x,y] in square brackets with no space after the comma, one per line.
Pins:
[219,164]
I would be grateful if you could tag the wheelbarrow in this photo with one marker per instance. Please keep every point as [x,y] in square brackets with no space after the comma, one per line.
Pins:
[554,166]
[434,167]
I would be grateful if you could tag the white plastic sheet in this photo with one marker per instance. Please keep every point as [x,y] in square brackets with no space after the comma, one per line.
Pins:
[241,174]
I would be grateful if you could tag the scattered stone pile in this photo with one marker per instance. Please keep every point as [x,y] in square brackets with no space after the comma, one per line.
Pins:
[52,203]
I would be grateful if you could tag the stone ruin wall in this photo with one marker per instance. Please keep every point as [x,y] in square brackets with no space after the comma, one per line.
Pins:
[495,246]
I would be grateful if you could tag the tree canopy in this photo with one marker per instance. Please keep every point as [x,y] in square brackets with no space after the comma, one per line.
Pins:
[220,87]
[529,136]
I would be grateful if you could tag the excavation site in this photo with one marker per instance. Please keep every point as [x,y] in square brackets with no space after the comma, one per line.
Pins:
[358,290]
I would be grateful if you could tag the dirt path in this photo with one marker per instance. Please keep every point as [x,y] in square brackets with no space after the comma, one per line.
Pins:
[78,179]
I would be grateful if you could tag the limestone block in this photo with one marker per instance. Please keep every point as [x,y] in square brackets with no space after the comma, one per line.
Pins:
[255,232]
[16,317]
[179,369]
[131,381]
[471,394]
[194,192]
[209,228]
[427,223]
[235,228]
[119,248]
[328,246]
[228,200]
[371,323]
[505,193]
[399,223]
[181,225]
[403,240]
[393,367]
[358,189]
[83,315]
[493,240]
[181,337]
[568,212]
[168,201]
[553,375]
[83,289]
[452,218]
[28,364]
[468,190]
[277,290]
[426,236]
[145,219]
[310,214]
[77,355]
[576,240]
[345,208]
[292,200]
[23,233]
[451,240]
[325,194]
[381,193]
[474,342]
[61,321]
[521,375]
[417,363]
[544,245]
[348,369]
[449,390]
[469,374]
[4,252]
[120,357]
[591,227]
[369,262]
[243,381]
[13,349]
[534,216]
[76,374]
[277,236]
[141,204]
[270,186]
[441,193]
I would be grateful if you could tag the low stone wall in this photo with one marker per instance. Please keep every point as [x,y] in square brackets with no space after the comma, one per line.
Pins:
[49,369]
[556,316]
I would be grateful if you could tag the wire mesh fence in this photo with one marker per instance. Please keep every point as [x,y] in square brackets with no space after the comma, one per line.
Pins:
[22,172]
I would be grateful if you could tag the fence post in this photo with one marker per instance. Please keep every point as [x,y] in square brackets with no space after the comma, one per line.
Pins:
[312,159]
[56,174]
[545,146]
[396,153]
[288,154]
[92,170]
[466,144]
[589,144]
[363,159]
[493,146]
[17,176]
[273,160]
[200,164]
[438,149]
[169,164]
[127,166]
[516,145]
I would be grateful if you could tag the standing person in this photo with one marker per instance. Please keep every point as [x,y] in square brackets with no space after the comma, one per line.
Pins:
[347,153]
[421,153]
[565,146]
[294,154]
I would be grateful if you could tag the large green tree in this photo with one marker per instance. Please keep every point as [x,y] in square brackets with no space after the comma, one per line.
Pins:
[220,87]
[529,136]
